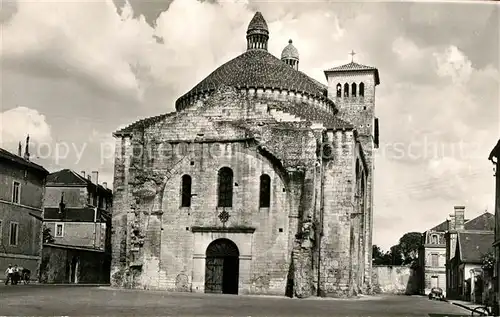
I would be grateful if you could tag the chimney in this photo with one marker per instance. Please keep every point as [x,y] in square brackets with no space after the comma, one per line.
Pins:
[95,177]
[451,224]
[82,173]
[459,217]
[88,177]
[27,150]
[105,185]
[19,150]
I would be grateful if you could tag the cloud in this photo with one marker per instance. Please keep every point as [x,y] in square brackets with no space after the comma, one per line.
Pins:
[18,123]
[454,64]
[439,81]
[52,39]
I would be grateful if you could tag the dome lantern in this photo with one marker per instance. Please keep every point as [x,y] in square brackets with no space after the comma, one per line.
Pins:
[290,55]
[257,33]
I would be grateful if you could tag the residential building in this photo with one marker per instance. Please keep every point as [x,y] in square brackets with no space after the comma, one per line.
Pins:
[432,258]
[22,186]
[459,260]
[77,213]
[493,157]
[466,272]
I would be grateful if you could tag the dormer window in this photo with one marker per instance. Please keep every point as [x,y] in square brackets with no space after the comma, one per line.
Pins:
[434,239]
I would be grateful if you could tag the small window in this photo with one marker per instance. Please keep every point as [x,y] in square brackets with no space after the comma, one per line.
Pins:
[225,187]
[346,90]
[339,90]
[434,259]
[59,230]
[186,191]
[265,191]
[361,89]
[353,89]
[16,193]
[14,233]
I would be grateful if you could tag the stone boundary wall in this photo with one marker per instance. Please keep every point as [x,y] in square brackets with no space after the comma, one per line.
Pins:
[388,279]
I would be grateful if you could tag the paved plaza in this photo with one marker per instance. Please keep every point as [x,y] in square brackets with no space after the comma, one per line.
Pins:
[28,300]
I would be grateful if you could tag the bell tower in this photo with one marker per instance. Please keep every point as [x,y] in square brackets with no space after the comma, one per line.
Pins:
[352,88]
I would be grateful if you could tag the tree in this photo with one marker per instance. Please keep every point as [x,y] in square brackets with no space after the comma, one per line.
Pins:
[378,255]
[47,235]
[409,244]
[395,255]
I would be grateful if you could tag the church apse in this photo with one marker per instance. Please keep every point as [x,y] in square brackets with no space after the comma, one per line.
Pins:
[245,162]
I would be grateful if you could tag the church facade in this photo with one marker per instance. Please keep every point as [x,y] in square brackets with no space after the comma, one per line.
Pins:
[261,182]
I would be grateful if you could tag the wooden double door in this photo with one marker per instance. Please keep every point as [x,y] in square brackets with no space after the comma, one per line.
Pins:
[222,267]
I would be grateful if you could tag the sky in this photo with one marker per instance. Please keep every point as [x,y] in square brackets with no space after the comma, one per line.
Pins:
[75,71]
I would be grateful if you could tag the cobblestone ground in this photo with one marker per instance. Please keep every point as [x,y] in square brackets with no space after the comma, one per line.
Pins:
[29,300]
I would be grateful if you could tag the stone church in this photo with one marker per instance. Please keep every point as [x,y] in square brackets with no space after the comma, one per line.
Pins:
[261,182]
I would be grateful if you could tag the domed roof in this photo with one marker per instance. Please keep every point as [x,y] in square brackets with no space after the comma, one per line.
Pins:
[290,52]
[258,24]
[258,69]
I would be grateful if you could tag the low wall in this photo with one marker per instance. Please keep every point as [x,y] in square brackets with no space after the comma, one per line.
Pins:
[394,280]
[57,265]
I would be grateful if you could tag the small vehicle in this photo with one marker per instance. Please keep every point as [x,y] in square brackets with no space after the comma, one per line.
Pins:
[436,293]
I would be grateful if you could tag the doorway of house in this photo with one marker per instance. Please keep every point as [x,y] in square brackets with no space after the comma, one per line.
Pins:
[434,281]
[73,272]
[222,267]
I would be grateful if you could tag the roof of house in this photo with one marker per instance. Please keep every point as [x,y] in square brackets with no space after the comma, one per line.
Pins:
[443,226]
[473,245]
[15,159]
[485,221]
[67,177]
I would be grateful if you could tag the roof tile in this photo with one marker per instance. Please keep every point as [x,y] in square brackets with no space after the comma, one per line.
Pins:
[258,68]
[474,245]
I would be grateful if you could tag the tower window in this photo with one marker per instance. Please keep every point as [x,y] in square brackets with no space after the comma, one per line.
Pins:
[346,90]
[265,191]
[361,90]
[339,90]
[186,191]
[353,89]
[225,187]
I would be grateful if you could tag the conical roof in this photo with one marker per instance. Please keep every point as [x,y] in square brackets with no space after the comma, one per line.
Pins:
[258,24]
[258,68]
[290,52]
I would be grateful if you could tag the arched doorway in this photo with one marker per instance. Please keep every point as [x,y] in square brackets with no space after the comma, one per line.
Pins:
[222,267]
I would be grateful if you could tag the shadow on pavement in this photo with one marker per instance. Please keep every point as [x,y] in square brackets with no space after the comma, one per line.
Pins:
[449,315]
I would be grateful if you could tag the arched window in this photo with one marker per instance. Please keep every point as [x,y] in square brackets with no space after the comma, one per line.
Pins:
[225,187]
[265,191]
[353,89]
[186,191]
[346,90]
[361,89]
[339,90]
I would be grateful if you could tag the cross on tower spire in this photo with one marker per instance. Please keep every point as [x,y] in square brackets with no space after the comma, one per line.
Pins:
[352,53]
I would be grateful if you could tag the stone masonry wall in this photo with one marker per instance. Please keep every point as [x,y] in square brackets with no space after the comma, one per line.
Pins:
[153,236]
[360,111]
[335,263]
[167,248]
